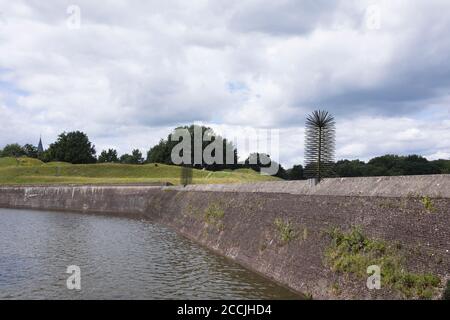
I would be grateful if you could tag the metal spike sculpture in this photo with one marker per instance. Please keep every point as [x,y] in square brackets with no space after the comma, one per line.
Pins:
[319,144]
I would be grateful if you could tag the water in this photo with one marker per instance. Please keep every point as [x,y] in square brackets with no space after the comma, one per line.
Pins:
[119,258]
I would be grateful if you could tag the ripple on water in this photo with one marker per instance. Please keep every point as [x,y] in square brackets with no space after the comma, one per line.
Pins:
[119,259]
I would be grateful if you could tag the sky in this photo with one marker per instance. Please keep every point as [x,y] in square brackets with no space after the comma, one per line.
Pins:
[128,72]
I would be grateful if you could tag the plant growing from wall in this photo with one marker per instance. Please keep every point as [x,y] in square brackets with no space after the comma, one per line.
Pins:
[319,144]
[352,252]
[286,230]
[428,204]
[214,214]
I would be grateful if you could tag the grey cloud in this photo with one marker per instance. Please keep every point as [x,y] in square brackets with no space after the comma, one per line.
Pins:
[282,17]
[138,65]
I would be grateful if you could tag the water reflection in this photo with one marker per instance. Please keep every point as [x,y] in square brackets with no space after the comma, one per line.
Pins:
[119,259]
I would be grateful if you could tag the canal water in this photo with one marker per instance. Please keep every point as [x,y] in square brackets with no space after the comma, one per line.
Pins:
[119,258]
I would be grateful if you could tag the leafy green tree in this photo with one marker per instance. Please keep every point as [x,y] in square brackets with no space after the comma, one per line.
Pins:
[347,168]
[295,173]
[30,151]
[389,165]
[137,156]
[161,153]
[73,147]
[282,173]
[109,155]
[394,165]
[383,166]
[443,165]
[256,161]
[126,159]
[134,158]
[414,164]
[13,150]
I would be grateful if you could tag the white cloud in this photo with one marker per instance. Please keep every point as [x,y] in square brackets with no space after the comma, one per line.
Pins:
[135,69]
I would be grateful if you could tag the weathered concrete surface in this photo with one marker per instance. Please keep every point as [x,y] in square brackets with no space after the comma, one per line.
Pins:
[400,186]
[246,231]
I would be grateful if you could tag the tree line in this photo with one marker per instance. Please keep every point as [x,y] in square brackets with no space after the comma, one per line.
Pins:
[75,147]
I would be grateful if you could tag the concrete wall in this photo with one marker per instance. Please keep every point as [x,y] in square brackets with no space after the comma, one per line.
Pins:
[401,186]
[246,231]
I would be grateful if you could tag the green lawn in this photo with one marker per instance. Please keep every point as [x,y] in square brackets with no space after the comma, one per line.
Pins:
[32,171]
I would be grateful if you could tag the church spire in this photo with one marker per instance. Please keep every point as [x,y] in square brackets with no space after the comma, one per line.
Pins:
[40,148]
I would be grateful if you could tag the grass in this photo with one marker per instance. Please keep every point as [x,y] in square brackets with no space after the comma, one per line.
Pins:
[286,230]
[23,161]
[428,204]
[32,171]
[308,296]
[214,214]
[352,252]
[336,289]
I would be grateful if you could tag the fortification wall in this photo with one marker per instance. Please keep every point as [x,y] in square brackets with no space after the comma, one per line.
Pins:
[400,186]
[238,222]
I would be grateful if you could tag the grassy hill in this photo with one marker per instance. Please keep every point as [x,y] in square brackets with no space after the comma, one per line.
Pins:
[33,171]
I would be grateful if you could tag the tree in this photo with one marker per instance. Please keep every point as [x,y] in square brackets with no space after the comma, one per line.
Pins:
[126,159]
[295,173]
[30,151]
[108,156]
[393,165]
[137,156]
[347,168]
[73,147]
[319,144]
[256,161]
[390,165]
[13,150]
[383,166]
[443,165]
[161,153]
[416,165]
[134,158]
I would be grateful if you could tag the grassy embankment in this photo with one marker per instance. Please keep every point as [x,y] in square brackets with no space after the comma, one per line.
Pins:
[32,171]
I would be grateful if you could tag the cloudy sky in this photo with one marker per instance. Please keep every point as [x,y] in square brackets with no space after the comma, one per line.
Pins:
[127,72]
